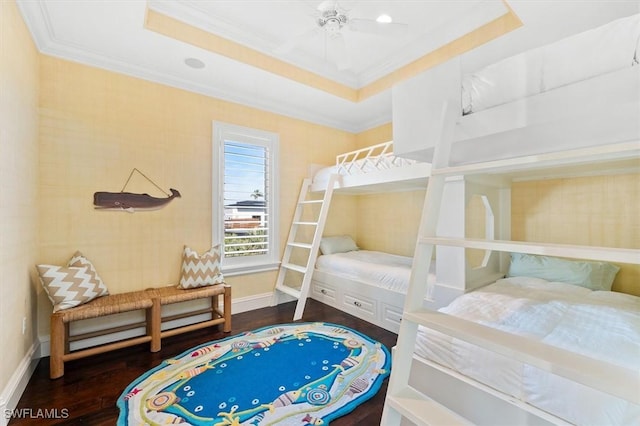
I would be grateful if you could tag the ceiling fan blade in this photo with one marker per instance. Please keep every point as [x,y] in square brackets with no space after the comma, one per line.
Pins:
[294,42]
[380,28]
[338,50]
[327,5]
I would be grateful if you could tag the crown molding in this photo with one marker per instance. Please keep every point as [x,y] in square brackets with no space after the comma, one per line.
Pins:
[37,19]
[191,13]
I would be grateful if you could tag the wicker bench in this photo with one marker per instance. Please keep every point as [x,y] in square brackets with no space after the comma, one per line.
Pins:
[149,300]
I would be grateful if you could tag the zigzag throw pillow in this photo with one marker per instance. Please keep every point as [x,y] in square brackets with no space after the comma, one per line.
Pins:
[199,271]
[72,285]
[78,260]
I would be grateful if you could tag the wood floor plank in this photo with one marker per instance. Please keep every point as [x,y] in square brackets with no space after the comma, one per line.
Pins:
[91,386]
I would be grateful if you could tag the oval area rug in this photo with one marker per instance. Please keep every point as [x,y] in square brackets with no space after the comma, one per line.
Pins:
[287,374]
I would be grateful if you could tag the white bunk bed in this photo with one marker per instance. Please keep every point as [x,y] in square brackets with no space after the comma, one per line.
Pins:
[554,92]
[372,169]
[524,351]
[367,284]
[599,324]
[370,285]
[468,363]
[580,91]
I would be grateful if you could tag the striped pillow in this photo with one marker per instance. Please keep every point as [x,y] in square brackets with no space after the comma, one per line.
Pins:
[72,285]
[199,271]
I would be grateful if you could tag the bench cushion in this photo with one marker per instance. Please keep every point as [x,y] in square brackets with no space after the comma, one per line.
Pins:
[107,305]
[173,294]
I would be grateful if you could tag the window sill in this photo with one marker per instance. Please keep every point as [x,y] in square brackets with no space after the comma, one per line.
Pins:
[230,271]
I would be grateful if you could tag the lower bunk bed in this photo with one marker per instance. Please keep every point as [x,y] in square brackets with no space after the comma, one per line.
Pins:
[489,388]
[370,285]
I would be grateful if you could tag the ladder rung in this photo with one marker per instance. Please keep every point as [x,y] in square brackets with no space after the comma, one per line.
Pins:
[306,223]
[312,201]
[289,290]
[422,410]
[293,267]
[301,245]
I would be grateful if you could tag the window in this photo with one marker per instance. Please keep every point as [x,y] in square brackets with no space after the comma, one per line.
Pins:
[245,185]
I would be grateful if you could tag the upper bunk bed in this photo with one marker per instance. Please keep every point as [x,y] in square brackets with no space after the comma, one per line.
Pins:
[502,374]
[372,169]
[581,91]
[567,130]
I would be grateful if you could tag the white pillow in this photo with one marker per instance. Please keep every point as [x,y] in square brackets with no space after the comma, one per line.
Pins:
[337,244]
[589,274]
[512,78]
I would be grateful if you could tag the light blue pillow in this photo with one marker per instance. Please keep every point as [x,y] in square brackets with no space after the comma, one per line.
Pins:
[589,274]
[337,244]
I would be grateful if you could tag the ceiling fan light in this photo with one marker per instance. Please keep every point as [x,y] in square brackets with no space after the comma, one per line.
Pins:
[384,19]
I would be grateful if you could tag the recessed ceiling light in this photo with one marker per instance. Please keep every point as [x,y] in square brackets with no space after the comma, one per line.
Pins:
[194,63]
[384,19]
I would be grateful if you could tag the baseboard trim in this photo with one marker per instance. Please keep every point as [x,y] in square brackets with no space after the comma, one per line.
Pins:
[239,305]
[17,383]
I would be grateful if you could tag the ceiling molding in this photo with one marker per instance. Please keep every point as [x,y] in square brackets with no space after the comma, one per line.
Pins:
[38,19]
[486,23]
[187,33]
[191,13]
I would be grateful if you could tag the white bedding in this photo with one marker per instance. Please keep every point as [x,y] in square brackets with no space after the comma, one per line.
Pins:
[600,324]
[384,270]
[595,52]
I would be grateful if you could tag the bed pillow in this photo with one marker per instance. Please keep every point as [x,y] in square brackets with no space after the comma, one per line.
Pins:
[337,244]
[73,285]
[589,274]
[512,78]
[200,270]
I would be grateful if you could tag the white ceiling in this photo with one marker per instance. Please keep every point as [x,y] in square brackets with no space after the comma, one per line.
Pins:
[112,35]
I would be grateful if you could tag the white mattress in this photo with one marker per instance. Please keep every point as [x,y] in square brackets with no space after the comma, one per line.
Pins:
[595,52]
[600,324]
[384,270]
[363,166]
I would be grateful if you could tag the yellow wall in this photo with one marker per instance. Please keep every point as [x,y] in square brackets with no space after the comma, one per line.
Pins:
[596,210]
[387,221]
[96,126]
[19,188]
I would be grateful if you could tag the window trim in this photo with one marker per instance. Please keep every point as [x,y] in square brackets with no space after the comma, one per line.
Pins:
[245,264]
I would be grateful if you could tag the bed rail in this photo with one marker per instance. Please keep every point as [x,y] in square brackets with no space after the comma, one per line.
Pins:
[375,157]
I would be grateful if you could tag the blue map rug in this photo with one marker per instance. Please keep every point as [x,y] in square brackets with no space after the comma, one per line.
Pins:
[289,374]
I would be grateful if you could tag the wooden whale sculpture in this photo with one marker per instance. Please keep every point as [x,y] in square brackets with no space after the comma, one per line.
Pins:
[130,201]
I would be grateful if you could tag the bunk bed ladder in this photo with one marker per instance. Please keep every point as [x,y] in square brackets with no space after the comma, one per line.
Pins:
[402,400]
[304,207]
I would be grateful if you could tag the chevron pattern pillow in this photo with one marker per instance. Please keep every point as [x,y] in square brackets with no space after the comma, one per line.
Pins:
[200,270]
[72,285]
[78,260]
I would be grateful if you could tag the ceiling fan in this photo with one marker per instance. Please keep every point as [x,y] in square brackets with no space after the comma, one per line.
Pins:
[331,20]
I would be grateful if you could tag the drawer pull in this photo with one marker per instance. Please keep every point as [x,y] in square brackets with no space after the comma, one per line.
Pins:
[323,291]
[358,304]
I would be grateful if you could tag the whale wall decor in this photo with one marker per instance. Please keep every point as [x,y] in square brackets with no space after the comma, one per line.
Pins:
[130,202]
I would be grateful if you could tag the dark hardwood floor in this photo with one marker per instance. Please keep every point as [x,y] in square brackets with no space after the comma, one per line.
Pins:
[90,387]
